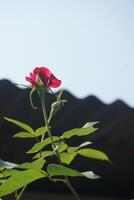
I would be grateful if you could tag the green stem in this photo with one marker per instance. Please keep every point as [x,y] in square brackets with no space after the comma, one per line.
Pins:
[21,193]
[24,188]
[16,196]
[67,182]
[46,121]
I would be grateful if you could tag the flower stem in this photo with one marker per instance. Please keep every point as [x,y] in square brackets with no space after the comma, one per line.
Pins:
[67,182]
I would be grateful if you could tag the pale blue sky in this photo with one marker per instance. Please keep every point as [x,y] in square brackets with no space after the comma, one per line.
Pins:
[88,44]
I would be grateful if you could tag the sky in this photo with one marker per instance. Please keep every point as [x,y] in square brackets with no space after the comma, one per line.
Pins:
[88,44]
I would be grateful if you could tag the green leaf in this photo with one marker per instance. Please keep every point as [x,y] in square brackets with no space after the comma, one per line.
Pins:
[78,132]
[62,147]
[10,172]
[1,175]
[24,135]
[40,131]
[67,158]
[93,153]
[55,170]
[89,124]
[58,170]
[85,144]
[37,165]
[7,165]
[20,124]
[73,149]
[19,180]
[38,146]
[43,154]
[90,175]
[1,168]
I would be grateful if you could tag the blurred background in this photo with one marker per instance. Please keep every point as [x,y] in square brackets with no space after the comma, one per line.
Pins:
[88,44]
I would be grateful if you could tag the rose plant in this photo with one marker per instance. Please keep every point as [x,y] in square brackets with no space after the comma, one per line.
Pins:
[14,178]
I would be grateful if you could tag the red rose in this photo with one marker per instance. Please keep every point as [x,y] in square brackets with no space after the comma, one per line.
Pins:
[43,73]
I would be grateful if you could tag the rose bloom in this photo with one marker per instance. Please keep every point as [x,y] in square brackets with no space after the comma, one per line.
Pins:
[47,78]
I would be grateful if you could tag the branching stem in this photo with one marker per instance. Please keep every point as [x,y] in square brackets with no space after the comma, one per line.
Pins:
[67,182]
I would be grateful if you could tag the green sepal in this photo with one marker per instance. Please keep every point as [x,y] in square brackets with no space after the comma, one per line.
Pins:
[30,96]
[56,106]
[41,91]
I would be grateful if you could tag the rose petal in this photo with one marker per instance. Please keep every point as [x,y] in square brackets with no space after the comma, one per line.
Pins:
[36,70]
[29,79]
[54,82]
[44,70]
[48,79]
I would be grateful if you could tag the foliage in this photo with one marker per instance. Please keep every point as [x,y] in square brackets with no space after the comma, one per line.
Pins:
[15,177]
